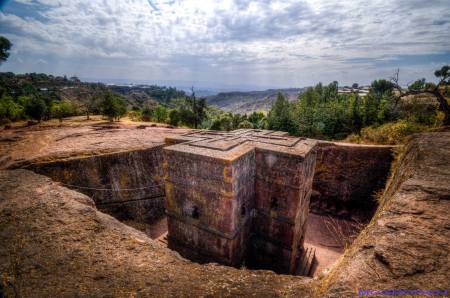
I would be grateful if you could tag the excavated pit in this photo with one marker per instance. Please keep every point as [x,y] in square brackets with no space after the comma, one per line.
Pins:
[54,242]
[126,185]
[129,186]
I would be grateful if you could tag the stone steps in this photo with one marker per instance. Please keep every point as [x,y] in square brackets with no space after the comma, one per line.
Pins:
[305,261]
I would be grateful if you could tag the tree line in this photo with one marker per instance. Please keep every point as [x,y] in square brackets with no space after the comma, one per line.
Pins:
[322,112]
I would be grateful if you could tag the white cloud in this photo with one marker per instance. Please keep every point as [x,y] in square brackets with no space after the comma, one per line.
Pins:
[256,42]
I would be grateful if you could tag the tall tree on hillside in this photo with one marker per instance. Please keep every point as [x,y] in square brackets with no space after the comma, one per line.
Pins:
[5,46]
[198,108]
[90,97]
[279,116]
[113,106]
[436,90]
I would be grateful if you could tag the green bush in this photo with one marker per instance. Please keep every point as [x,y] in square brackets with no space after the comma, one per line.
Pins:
[62,110]
[160,113]
[135,115]
[35,108]
[224,122]
[113,106]
[391,133]
[9,109]
[245,124]
[174,117]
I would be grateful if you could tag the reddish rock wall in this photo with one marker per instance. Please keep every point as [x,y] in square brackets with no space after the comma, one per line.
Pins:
[207,203]
[282,190]
[346,178]
[128,185]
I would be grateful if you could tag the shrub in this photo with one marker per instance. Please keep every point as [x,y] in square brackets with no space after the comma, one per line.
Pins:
[245,124]
[174,117]
[135,115]
[9,109]
[391,133]
[147,114]
[35,108]
[61,110]
[160,113]
[224,122]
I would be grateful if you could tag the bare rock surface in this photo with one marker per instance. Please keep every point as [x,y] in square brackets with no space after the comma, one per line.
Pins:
[55,244]
[406,245]
[23,146]
[347,176]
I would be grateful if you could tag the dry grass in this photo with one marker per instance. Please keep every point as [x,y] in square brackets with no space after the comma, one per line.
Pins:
[344,232]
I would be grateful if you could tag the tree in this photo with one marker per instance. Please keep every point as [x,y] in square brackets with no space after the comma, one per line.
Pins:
[89,97]
[258,119]
[198,109]
[35,108]
[279,116]
[355,85]
[160,113]
[61,110]
[381,87]
[147,114]
[5,46]
[174,117]
[224,122]
[10,109]
[420,87]
[113,106]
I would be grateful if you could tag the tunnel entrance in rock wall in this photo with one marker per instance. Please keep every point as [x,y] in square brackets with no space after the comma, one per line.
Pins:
[339,202]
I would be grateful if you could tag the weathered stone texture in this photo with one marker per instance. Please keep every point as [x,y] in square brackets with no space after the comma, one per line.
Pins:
[54,243]
[406,245]
[346,178]
[232,192]
[128,185]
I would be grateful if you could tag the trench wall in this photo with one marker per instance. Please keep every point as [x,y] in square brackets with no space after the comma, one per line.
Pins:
[127,185]
[346,178]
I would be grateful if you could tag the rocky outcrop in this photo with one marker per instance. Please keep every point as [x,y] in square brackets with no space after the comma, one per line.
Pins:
[406,245]
[346,178]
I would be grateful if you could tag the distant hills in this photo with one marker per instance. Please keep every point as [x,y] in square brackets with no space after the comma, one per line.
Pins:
[137,96]
[247,102]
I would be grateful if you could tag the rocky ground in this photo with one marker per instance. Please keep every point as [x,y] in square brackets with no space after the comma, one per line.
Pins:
[76,138]
[55,243]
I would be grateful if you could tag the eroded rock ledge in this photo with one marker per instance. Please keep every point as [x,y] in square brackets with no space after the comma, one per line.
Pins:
[406,245]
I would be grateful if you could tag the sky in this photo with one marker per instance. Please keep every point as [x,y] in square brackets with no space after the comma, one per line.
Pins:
[228,44]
